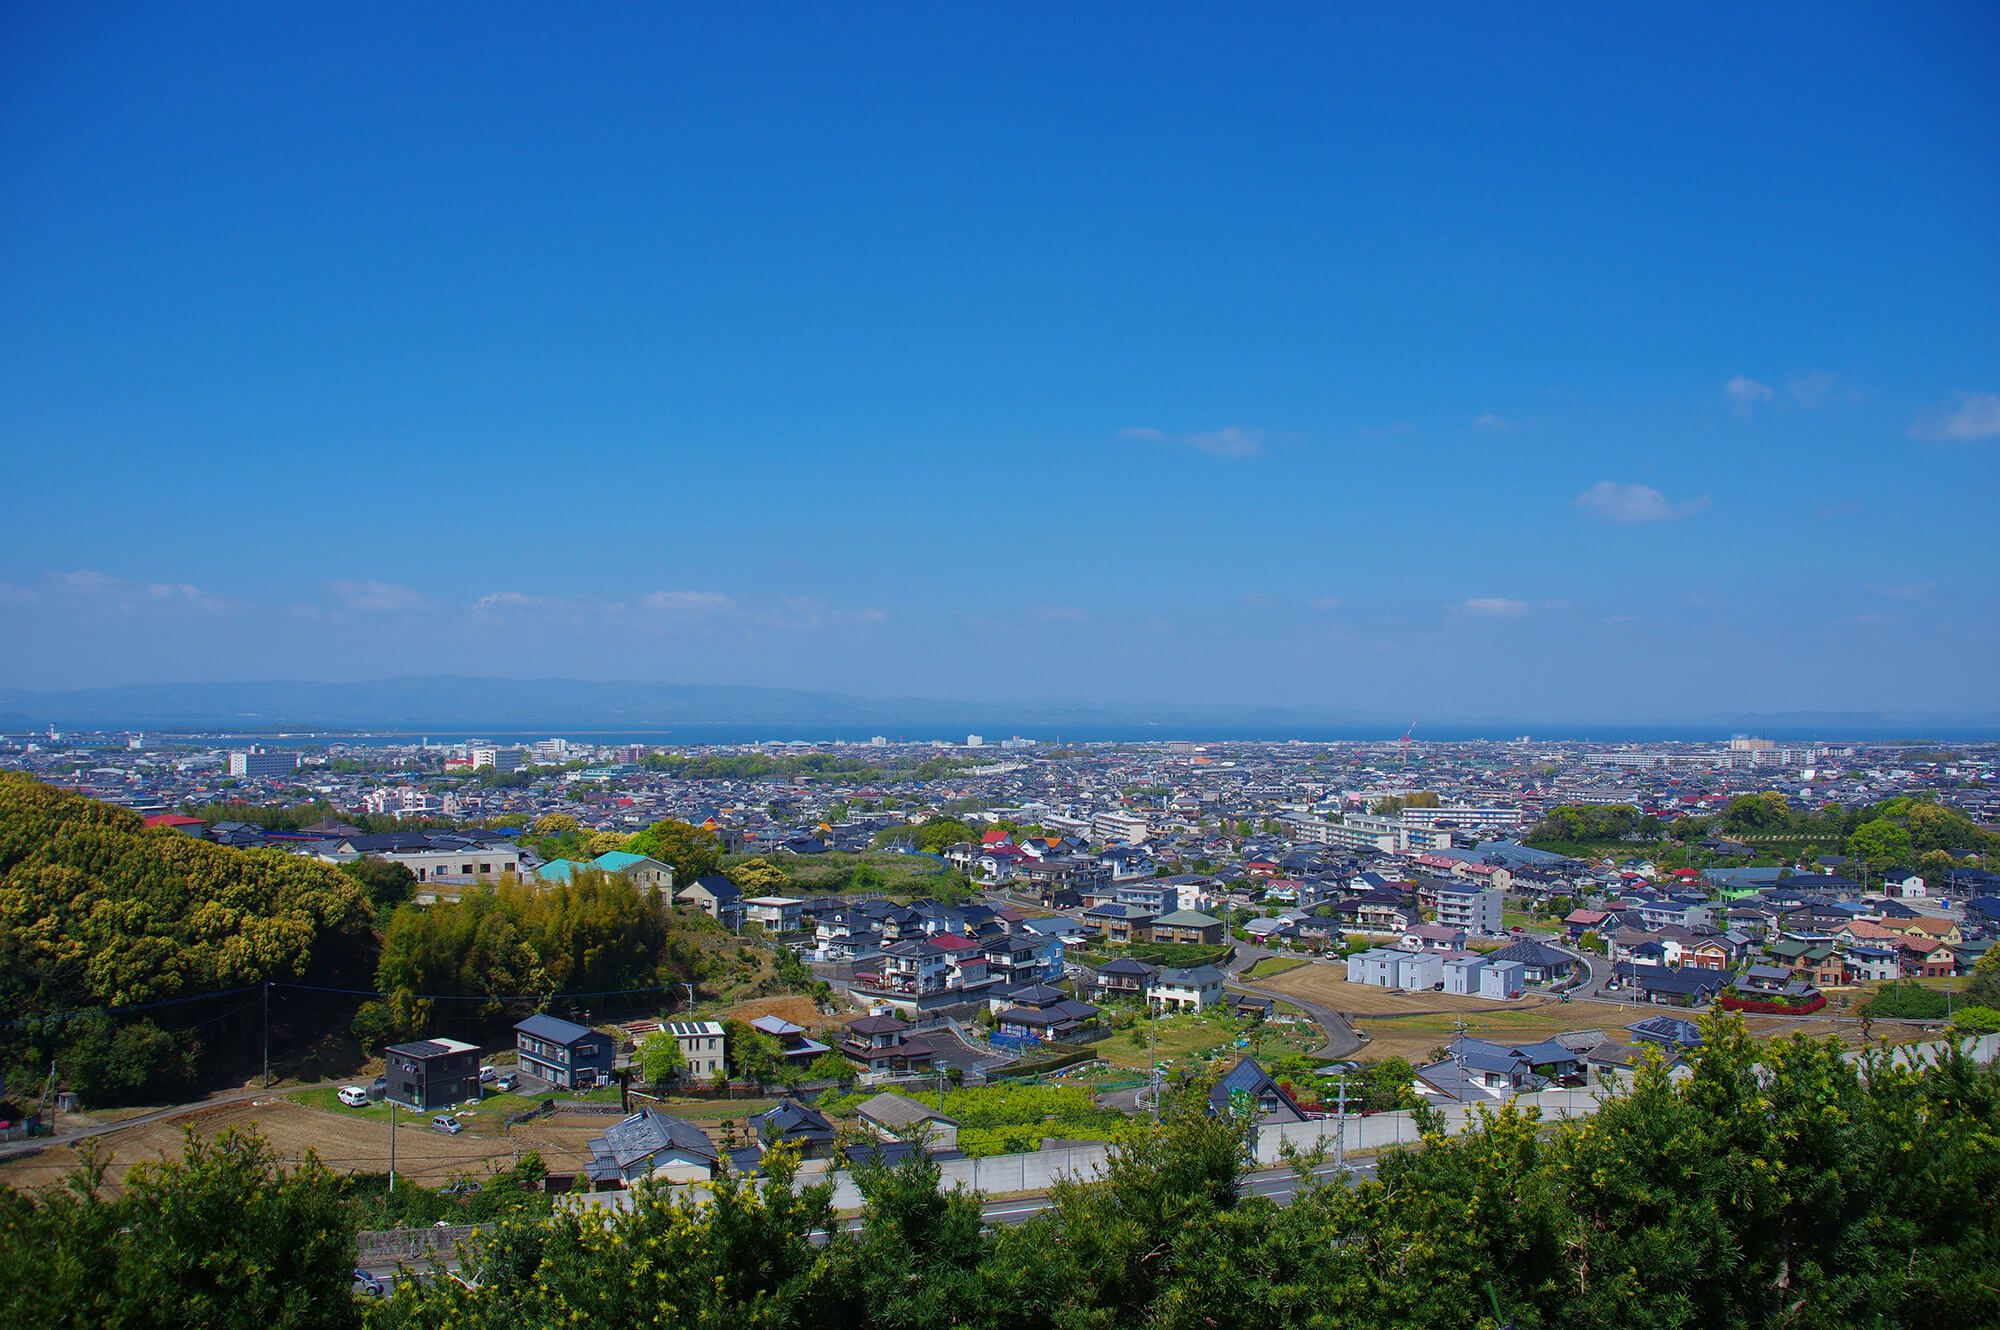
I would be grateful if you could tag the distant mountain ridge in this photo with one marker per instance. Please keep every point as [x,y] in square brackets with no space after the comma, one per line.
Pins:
[447,703]
[443,701]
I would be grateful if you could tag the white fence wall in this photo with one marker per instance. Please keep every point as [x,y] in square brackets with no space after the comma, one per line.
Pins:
[1003,1174]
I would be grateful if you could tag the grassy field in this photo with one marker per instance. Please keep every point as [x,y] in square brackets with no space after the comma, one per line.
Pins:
[1274,965]
[1191,1038]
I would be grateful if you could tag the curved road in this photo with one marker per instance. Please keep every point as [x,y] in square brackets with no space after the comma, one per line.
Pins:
[1342,1039]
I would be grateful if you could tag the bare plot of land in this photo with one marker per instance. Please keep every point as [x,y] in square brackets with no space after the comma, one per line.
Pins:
[1325,982]
[356,1143]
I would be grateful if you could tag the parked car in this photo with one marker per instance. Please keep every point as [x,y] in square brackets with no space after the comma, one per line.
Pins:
[487,1073]
[353,1096]
[447,1124]
[367,1283]
[507,1083]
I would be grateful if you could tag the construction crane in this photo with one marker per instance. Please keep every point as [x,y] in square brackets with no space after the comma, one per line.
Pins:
[1403,746]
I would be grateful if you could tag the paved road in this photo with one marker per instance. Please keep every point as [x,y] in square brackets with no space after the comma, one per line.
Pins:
[1342,1039]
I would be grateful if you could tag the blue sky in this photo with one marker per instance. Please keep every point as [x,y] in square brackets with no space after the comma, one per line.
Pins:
[1597,362]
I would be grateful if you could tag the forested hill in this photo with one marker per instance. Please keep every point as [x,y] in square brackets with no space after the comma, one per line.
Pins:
[97,911]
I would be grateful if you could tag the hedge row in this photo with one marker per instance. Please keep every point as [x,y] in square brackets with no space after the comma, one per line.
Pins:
[1729,1002]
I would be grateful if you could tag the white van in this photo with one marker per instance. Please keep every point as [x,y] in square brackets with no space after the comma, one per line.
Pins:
[353,1096]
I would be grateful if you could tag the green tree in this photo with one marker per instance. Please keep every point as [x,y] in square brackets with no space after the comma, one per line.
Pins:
[388,883]
[690,851]
[224,1236]
[1880,843]
[660,1057]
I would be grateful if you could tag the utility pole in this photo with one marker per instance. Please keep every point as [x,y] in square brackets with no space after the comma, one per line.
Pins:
[392,1144]
[1340,1107]
[267,1034]
[1153,1056]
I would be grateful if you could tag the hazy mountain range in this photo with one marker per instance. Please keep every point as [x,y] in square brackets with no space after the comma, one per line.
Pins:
[447,703]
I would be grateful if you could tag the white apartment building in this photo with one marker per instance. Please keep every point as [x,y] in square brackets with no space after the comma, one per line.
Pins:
[1474,909]
[1130,828]
[701,1047]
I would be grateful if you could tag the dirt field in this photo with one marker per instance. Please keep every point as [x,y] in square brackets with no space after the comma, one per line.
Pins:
[794,1008]
[345,1144]
[1326,983]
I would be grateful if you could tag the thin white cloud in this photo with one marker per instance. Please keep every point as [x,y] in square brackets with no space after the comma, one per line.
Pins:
[1494,607]
[1744,393]
[127,596]
[1325,603]
[1817,388]
[375,597]
[1058,614]
[1487,420]
[687,602]
[1977,416]
[1229,441]
[1615,502]
[493,602]
[811,612]
[1917,590]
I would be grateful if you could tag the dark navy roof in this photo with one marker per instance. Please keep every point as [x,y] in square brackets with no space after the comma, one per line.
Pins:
[553,1028]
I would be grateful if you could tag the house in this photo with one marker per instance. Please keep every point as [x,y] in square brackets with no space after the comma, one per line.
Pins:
[1195,989]
[1461,975]
[1540,962]
[1925,958]
[1578,922]
[1251,1005]
[897,1117]
[432,1073]
[1120,923]
[646,873]
[1671,1033]
[1758,979]
[1721,952]
[1478,1071]
[566,1055]
[1189,927]
[1248,1087]
[795,1040]
[1023,957]
[703,1047]
[1665,987]
[1269,929]
[882,1046]
[1867,962]
[913,969]
[1434,937]
[1124,978]
[1502,981]
[715,896]
[779,914]
[1392,967]
[1050,1016]
[794,1122]
[651,1144]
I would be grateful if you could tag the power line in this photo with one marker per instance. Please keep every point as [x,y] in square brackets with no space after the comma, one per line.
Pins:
[76,1013]
[480,997]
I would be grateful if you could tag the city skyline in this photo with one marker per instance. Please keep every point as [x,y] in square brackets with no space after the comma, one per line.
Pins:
[1367,362]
